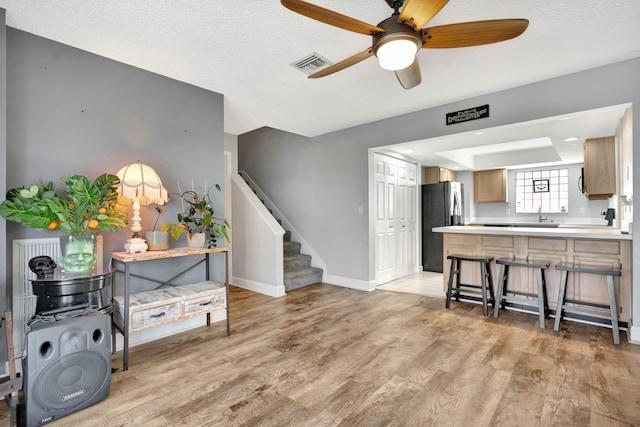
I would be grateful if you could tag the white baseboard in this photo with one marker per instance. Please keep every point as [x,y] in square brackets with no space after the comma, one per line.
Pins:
[634,334]
[346,282]
[261,288]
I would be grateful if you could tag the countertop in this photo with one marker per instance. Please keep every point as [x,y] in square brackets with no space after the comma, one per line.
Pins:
[604,233]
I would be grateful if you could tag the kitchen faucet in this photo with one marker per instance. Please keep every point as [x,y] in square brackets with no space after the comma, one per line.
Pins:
[540,217]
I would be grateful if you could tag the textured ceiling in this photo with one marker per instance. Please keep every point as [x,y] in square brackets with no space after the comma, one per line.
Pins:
[243,48]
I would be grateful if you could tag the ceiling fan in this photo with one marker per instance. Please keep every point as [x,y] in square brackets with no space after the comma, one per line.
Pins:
[397,39]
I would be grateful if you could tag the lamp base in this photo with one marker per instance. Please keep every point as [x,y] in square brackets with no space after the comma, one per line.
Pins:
[134,245]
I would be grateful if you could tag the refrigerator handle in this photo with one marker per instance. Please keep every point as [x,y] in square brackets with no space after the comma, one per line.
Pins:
[456,205]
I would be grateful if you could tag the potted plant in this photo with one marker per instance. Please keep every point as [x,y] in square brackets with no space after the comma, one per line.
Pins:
[198,220]
[158,240]
[80,209]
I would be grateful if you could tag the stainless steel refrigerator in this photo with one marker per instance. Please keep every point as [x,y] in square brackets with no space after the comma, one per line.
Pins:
[442,205]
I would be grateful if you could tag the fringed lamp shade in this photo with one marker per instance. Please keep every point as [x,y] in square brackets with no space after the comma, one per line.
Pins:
[140,185]
[141,181]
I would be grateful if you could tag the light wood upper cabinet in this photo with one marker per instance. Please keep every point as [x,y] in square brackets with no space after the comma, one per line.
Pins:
[600,168]
[490,186]
[435,174]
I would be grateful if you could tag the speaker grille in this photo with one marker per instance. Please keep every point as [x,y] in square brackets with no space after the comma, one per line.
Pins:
[67,368]
[70,381]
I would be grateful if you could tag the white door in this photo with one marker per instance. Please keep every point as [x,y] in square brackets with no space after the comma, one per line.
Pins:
[395,243]
[386,189]
[411,223]
[401,220]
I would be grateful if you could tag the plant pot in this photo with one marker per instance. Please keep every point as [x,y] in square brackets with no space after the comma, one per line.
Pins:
[78,255]
[196,240]
[157,240]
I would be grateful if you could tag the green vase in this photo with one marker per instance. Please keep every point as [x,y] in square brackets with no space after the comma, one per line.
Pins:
[78,255]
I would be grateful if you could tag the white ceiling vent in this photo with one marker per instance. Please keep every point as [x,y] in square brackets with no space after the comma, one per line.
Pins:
[311,63]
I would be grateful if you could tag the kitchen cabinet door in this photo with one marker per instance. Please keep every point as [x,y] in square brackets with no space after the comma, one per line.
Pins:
[435,174]
[490,186]
[599,168]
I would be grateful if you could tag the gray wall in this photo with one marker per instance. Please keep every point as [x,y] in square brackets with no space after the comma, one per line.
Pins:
[319,182]
[73,112]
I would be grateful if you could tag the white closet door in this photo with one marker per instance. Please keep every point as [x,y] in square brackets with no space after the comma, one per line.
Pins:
[395,243]
[386,237]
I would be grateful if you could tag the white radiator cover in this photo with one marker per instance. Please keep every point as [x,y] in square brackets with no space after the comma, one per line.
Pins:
[23,300]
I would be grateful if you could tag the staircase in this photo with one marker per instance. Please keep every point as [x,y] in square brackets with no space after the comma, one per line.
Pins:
[298,271]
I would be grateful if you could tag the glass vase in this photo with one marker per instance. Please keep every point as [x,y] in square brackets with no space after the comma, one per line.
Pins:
[78,255]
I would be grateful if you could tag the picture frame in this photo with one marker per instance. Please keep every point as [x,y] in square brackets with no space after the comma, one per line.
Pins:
[540,185]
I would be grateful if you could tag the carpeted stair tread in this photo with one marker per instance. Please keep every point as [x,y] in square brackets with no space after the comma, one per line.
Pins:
[295,262]
[291,248]
[302,277]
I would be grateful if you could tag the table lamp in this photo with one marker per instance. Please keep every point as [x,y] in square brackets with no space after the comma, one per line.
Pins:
[140,185]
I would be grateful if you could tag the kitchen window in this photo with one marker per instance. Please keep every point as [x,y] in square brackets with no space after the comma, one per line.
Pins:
[544,191]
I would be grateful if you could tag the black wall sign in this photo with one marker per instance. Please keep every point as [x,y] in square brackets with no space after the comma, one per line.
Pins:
[468,114]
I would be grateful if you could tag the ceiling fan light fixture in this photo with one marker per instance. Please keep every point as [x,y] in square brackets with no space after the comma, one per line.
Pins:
[397,53]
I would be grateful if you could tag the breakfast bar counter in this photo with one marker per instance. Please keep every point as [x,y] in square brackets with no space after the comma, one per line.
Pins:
[599,247]
[583,232]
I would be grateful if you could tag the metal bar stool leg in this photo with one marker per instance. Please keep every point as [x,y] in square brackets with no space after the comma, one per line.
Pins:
[542,309]
[561,293]
[492,296]
[544,295]
[504,286]
[502,290]
[458,280]
[614,310]
[452,271]
[483,272]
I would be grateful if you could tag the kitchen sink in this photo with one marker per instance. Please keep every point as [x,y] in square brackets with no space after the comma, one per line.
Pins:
[537,224]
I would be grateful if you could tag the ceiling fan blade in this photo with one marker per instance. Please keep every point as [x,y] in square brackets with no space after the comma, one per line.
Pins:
[472,33]
[417,13]
[330,17]
[409,77]
[352,60]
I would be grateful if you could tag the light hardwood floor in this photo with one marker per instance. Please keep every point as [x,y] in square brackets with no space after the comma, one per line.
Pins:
[331,356]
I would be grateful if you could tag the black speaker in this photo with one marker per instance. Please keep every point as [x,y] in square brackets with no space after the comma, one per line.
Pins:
[67,368]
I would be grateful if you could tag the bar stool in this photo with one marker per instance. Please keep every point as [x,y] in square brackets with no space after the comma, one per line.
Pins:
[505,295]
[486,280]
[612,307]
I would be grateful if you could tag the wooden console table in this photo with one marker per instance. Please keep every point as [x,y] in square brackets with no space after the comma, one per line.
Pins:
[125,260]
